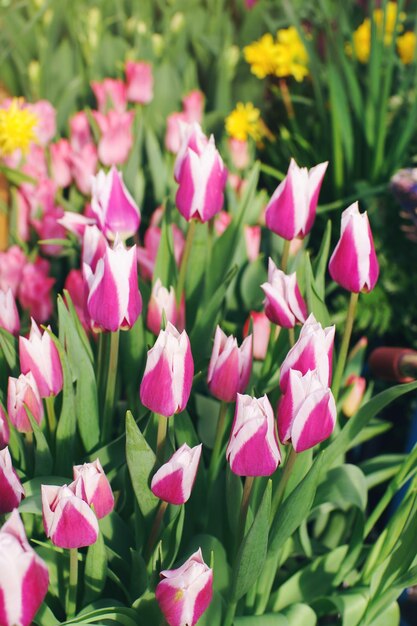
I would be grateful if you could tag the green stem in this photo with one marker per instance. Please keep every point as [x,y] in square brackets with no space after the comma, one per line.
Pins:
[285,255]
[110,387]
[184,263]
[230,615]
[73,581]
[273,338]
[101,363]
[50,412]
[153,536]
[217,442]
[244,506]
[341,362]
[280,492]
[161,437]
[291,336]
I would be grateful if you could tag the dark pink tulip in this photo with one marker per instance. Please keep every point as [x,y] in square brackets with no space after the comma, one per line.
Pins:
[306,412]
[230,366]
[24,577]
[38,354]
[21,392]
[174,481]
[116,136]
[11,490]
[75,285]
[12,263]
[292,209]
[284,304]
[261,328]
[253,447]
[4,429]
[35,290]
[185,593]
[9,315]
[110,94]
[161,301]
[139,79]
[91,485]
[353,264]
[168,377]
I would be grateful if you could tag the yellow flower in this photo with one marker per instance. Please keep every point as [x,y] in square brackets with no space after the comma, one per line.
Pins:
[292,57]
[261,56]
[406,45]
[362,41]
[17,126]
[243,122]
[362,37]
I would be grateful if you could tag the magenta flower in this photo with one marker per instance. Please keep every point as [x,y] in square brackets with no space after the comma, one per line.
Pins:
[284,304]
[94,246]
[161,301]
[92,485]
[35,290]
[21,392]
[45,128]
[261,328]
[173,482]
[38,354]
[9,315]
[192,137]
[139,79]
[4,429]
[230,366]
[12,263]
[148,253]
[11,489]
[116,136]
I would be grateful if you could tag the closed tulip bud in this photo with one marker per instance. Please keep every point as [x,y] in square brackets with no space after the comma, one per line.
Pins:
[192,137]
[110,94]
[168,378]
[173,482]
[353,264]
[292,209]
[253,447]
[114,301]
[11,489]
[68,520]
[230,366]
[91,485]
[9,316]
[354,396]
[185,593]
[4,429]
[113,206]
[253,241]
[24,577]
[94,246]
[306,412]
[284,304]
[312,351]
[161,301]
[21,392]
[38,354]
[139,82]
[261,327]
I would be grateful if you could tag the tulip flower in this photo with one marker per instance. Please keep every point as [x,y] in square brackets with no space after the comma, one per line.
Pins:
[11,489]
[35,290]
[261,327]
[68,520]
[192,137]
[46,115]
[353,264]
[12,263]
[161,301]
[80,132]
[193,105]
[306,412]
[9,316]
[148,253]
[312,351]
[76,223]
[92,485]
[38,354]
[110,94]
[253,241]
[113,206]
[354,396]
[116,136]
[139,82]
[4,429]
[21,392]
[114,301]
[173,482]
[61,152]
[230,366]
[168,377]
[292,209]
[253,447]
[173,135]
[185,593]
[284,304]
[24,577]
[84,166]
[94,246]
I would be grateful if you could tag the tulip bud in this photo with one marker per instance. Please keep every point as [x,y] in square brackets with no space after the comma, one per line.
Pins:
[174,481]
[4,429]
[353,399]
[114,301]
[185,593]
[113,206]
[139,82]
[353,264]
[24,577]
[94,246]
[230,366]
[110,94]
[253,447]
[284,304]
[91,485]
[292,209]
[161,301]
[261,332]
[192,137]
[39,355]
[168,378]
[9,316]
[11,489]
[306,412]
[21,392]
[312,351]
[253,241]
[68,520]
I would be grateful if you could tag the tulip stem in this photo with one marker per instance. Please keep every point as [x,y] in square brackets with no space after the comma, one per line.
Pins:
[184,262]
[153,536]
[73,581]
[161,437]
[110,387]
[280,492]
[341,362]
[285,254]
[291,336]
[247,490]
[230,615]
[217,442]
[50,412]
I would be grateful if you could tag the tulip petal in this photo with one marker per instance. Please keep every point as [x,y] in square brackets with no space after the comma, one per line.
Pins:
[315,420]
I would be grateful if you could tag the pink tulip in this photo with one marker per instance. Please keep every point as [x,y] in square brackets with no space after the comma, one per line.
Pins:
[116,136]
[192,137]
[11,490]
[35,290]
[50,228]
[67,519]
[353,264]
[161,301]
[292,209]
[306,412]
[45,128]
[113,206]
[283,302]
[61,152]
[80,132]
[354,396]
[114,301]
[230,366]
[253,241]
[9,315]
[253,447]
[12,263]
[76,223]
[168,377]
[185,593]
[94,246]
[38,354]
[74,284]
[110,94]
[22,392]
[139,82]
[24,577]
[312,351]
[173,135]
[222,222]
[4,429]
[173,482]
[193,105]
[261,332]
[92,485]
[239,153]
[147,254]
[84,166]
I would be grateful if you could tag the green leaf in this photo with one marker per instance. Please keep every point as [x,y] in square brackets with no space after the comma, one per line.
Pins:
[315,303]
[119,615]
[43,457]
[171,538]
[8,345]
[165,264]
[343,486]
[141,463]
[300,614]
[262,620]
[320,263]
[156,164]
[95,572]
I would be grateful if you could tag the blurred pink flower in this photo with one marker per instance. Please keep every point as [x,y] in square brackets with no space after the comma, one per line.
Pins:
[35,290]
[12,263]
[61,152]
[84,165]
[110,95]
[116,136]
[80,132]
[193,106]
[76,288]
[46,127]
[239,153]
[139,82]
[147,253]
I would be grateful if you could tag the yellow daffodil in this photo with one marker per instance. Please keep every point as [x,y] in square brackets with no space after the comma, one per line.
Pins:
[386,23]
[244,122]
[262,56]
[292,57]
[406,45]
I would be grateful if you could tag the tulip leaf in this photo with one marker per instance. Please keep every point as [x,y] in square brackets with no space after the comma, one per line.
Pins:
[270,619]
[156,163]
[171,538]
[252,552]
[165,266]
[45,617]
[344,486]
[95,572]
[141,462]
[43,457]
[118,614]
[315,303]
[8,347]
[320,263]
